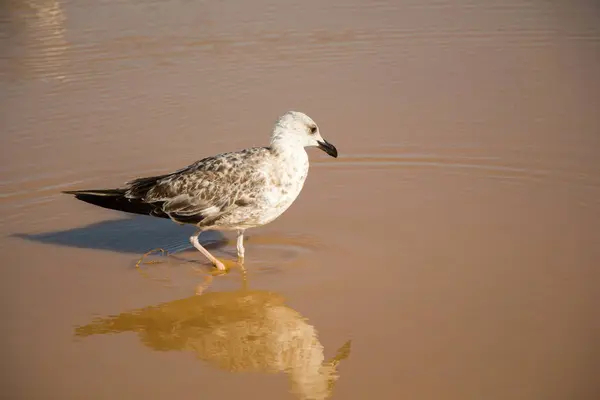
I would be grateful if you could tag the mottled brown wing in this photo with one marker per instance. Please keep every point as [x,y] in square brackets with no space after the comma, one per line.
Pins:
[207,189]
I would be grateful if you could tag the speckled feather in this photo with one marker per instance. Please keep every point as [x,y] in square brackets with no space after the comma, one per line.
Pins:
[209,190]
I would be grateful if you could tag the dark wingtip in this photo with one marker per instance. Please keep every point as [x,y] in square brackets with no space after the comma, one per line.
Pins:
[96,192]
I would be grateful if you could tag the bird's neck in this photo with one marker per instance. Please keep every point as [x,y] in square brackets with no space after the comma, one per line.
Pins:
[287,149]
[292,162]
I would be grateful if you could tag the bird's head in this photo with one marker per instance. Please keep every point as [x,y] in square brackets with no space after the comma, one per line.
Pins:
[297,129]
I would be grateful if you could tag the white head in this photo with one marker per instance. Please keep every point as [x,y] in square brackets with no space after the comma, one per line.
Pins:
[297,129]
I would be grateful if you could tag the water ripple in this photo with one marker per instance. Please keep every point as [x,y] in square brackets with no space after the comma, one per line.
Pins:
[488,165]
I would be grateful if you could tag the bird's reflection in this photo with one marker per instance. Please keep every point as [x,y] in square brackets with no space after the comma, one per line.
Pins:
[240,331]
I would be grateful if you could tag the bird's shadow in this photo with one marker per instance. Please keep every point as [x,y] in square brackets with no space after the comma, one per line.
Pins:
[128,235]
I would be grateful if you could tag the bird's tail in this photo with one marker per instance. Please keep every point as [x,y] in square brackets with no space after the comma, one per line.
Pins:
[115,199]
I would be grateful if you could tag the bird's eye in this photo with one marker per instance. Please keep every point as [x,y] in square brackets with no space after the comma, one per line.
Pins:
[313,129]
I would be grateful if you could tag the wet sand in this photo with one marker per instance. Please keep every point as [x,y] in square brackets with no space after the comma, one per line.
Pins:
[450,252]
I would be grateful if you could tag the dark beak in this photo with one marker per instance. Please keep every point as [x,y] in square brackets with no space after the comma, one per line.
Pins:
[328,148]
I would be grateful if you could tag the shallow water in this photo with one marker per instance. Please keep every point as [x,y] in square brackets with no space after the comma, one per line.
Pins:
[450,252]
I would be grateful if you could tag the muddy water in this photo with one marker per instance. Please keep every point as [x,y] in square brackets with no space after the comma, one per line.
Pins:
[450,252]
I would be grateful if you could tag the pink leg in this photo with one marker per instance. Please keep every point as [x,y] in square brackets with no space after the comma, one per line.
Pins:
[213,259]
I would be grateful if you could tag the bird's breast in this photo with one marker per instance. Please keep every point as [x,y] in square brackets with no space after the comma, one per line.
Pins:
[285,182]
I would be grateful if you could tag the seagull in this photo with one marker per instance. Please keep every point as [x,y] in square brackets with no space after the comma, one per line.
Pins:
[231,191]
